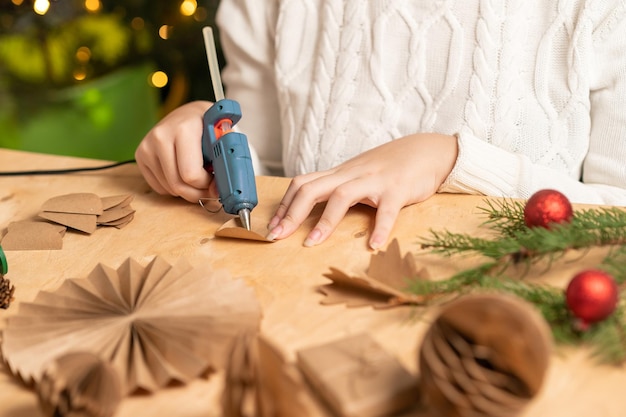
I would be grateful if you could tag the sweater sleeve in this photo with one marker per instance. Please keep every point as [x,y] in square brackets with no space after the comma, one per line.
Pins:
[483,168]
[246,28]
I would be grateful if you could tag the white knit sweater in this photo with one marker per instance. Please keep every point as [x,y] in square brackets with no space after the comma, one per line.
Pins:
[535,90]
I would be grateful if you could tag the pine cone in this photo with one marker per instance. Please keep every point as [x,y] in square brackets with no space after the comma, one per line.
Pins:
[484,355]
[6,292]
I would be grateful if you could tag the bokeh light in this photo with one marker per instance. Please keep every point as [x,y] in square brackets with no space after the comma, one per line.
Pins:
[41,6]
[188,7]
[93,5]
[201,14]
[158,79]
[79,74]
[137,23]
[83,54]
[164,31]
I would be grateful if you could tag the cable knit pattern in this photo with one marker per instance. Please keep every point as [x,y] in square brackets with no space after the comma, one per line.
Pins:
[534,90]
[480,108]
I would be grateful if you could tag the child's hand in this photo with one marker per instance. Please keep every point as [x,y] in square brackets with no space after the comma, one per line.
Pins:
[399,173]
[170,156]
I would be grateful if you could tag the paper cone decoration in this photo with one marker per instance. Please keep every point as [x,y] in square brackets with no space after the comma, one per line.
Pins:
[155,324]
[484,355]
[383,286]
[79,384]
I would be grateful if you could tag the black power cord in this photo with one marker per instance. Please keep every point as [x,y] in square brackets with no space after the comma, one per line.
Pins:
[64,171]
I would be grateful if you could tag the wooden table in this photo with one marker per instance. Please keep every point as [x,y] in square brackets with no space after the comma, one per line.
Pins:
[285,275]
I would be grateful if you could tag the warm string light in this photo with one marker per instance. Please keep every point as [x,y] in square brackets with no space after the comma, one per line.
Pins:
[79,74]
[83,55]
[93,5]
[188,7]
[158,79]
[41,7]
[137,23]
[201,14]
[164,31]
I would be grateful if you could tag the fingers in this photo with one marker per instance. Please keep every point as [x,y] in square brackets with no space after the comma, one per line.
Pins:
[386,216]
[389,177]
[303,193]
[302,196]
[343,197]
[168,170]
[170,156]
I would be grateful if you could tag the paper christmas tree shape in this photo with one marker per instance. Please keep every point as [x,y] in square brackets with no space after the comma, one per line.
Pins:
[156,324]
[383,285]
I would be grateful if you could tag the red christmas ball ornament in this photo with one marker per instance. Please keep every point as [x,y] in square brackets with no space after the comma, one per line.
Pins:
[547,207]
[591,296]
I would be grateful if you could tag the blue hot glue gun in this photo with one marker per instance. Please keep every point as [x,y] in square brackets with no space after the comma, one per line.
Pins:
[226,153]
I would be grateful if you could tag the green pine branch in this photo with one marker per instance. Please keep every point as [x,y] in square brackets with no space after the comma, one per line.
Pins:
[513,243]
[516,243]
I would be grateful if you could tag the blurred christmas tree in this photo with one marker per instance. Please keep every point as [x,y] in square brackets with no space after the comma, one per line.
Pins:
[72,53]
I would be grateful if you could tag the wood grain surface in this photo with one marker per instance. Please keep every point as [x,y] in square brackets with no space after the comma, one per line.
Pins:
[285,275]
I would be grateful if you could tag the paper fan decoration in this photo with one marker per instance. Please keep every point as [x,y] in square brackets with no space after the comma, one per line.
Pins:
[79,384]
[156,324]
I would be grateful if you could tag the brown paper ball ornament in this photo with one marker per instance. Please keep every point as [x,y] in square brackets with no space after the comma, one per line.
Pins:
[547,207]
[79,384]
[484,355]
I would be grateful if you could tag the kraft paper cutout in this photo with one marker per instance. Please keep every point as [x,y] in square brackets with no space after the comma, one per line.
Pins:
[116,201]
[383,285]
[83,212]
[76,203]
[155,324]
[33,235]
[81,222]
[114,215]
[234,229]
[357,377]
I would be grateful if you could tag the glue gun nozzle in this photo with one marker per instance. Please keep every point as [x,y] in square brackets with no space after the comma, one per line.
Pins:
[244,216]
